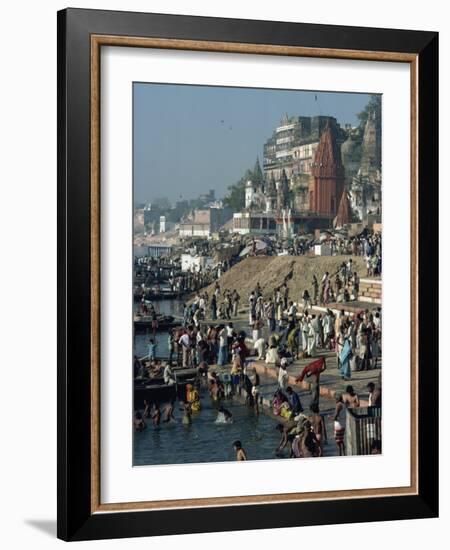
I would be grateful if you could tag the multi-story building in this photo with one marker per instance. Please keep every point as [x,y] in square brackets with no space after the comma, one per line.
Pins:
[303,157]
[255,223]
[292,145]
[306,185]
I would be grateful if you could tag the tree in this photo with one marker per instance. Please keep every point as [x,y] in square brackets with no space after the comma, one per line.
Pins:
[235,199]
[374,105]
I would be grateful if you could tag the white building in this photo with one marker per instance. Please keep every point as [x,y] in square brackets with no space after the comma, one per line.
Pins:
[256,223]
[195,263]
[322,249]
[303,156]
[205,222]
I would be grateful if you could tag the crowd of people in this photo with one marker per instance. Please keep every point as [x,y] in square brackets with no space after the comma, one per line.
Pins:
[301,434]
[282,329]
[167,269]
[305,435]
[294,333]
[152,274]
[218,306]
[193,280]
[367,245]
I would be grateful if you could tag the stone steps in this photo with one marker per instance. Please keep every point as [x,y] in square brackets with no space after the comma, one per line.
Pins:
[370,290]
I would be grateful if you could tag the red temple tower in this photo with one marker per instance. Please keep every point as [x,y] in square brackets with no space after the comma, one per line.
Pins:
[344,213]
[327,181]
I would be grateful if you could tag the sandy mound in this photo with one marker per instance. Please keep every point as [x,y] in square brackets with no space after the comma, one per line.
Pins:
[270,272]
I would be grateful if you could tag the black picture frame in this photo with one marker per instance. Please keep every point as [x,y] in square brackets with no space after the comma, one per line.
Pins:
[75,519]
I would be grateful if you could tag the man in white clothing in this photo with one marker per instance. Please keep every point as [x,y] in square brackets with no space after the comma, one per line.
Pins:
[169,377]
[311,340]
[185,343]
[283,376]
[260,346]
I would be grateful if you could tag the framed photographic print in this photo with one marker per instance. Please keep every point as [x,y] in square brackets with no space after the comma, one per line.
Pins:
[247,274]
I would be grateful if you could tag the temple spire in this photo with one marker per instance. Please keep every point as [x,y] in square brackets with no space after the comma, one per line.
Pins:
[343,216]
[327,175]
[258,177]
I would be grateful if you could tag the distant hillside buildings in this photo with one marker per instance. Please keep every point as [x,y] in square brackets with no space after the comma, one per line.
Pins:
[293,144]
[205,222]
[365,186]
[315,175]
[199,217]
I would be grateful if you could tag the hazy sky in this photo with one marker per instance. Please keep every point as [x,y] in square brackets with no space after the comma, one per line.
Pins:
[189,139]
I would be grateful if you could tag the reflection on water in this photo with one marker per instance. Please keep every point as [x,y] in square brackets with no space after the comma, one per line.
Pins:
[204,440]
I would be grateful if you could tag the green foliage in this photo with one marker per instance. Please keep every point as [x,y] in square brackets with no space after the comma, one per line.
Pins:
[373,105]
[235,198]
[356,153]
[194,204]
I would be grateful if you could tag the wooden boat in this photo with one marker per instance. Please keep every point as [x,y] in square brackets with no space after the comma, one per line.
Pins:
[144,322]
[152,295]
[155,391]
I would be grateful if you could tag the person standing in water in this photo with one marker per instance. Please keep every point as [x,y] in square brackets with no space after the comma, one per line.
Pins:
[146,412]
[284,430]
[152,349]
[255,393]
[169,411]
[156,416]
[240,453]
[187,410]
[193,397]
[224,416]
[139,423]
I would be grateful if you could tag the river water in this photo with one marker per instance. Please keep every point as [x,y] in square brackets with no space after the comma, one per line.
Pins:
[141,339]
[204,440]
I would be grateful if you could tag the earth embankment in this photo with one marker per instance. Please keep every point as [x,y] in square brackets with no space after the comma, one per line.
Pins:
[271,271]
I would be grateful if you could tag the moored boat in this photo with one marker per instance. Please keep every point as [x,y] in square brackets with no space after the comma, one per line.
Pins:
[163,322]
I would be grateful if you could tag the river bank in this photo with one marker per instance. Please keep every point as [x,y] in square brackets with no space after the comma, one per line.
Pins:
[271,271]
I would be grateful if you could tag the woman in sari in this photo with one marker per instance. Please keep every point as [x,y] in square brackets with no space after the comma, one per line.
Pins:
[285,410]
[277,402]
[193,397]
[344,359]
[326,290]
